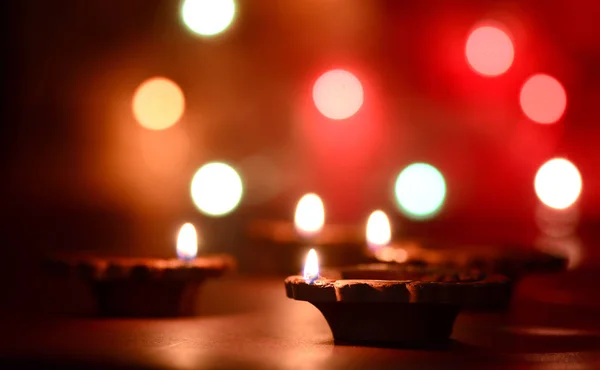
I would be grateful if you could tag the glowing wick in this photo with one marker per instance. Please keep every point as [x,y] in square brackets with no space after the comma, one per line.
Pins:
[311,267]
[187,242]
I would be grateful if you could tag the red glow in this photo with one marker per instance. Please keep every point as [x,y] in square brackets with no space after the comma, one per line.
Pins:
[336,154]
[489,51]
[543,99]
[338,94]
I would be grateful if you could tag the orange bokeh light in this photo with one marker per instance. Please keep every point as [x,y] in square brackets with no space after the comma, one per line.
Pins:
[489,51]
[543,99]
[158,103]
[338,94]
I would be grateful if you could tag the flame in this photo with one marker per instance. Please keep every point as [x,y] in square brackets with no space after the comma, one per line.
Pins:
[311,267]
[187,242]
[310,215]
[379,232]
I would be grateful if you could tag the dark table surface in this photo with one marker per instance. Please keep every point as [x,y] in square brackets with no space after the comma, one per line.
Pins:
[553,323]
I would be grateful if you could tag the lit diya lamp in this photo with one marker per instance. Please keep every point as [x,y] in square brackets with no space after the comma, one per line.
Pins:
[146,287]
[511,261]
[286,241]
[394,304]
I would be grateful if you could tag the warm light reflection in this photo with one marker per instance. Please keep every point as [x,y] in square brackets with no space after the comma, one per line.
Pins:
[208,17]
[379,232]
[556,223]
[391,254]
[543,99]
[311,267]
[158,103]
[489,51]
[310,215]
[216,189]
[420,191]
[338,94]
[558,183]
[569,247]
[187,242]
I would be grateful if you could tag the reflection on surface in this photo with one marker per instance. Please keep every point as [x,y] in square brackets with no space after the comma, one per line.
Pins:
[569,247]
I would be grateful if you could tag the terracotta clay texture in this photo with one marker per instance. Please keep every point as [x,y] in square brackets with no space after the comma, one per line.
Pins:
[141,287]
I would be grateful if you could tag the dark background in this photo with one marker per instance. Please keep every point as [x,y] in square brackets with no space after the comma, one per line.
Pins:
[79,174]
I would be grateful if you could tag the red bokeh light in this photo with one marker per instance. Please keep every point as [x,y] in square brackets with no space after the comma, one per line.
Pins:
[489,51]
[543,99]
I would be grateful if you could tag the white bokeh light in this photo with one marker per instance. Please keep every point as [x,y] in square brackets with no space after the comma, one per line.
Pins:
[208,17]
[558,183]
[338,94]
[216,189]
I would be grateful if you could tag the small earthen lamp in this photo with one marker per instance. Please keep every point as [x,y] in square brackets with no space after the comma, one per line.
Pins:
[395,304]
[145,287]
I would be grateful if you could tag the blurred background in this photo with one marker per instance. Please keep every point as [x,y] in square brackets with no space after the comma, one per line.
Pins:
[113,106]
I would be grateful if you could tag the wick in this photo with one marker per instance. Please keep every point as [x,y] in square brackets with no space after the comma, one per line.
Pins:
[187,259]
[310,278]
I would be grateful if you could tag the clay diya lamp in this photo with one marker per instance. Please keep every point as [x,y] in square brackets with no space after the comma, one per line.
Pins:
[511,261]
[395,305]
[145,287]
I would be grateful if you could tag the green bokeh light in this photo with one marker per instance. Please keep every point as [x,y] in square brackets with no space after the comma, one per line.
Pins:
[420,191]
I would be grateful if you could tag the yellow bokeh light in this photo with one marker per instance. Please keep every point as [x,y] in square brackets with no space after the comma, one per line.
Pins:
[216,189]
[310,215]
[158,103]
[558,183]
[208,17]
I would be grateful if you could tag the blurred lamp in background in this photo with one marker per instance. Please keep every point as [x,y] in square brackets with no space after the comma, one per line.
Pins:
[338,94]
[310,215]
[420,191]
[216,189]
[543,99]
[489,51]
[158,103]
[379,231]
[208,17]
[558,183]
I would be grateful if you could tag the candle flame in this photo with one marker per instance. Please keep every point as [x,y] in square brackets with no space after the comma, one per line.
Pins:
[311,267]
[310,215]
[379,232]
[187,242]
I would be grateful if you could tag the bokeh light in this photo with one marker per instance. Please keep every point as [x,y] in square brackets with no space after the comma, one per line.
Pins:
[216,189]
[309,217]
[489,51]
[338,94]
[208,17]
[543,99]
[379,231]
[558,183]
[420,191]
[158,103]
